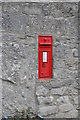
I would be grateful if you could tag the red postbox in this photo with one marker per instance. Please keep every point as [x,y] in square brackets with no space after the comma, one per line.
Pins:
[45,57]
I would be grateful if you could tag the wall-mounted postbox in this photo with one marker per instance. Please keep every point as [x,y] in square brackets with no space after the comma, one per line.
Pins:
[45,57]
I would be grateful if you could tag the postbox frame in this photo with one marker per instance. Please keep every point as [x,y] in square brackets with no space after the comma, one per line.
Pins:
[48,47]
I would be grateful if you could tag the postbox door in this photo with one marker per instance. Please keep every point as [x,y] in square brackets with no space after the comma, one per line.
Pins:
[45,57]
[44,64]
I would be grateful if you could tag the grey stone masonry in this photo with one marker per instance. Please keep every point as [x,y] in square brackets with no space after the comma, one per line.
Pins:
[22,22]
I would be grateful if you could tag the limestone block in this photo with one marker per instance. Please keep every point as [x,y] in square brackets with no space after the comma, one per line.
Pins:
[45,100]
[41,90]
[60,84]
[73,91]
[66,107]
[63,99]
[59,91]
[47,110]
[70,114]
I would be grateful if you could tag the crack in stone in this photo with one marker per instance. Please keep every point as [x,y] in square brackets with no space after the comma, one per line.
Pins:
[7,80]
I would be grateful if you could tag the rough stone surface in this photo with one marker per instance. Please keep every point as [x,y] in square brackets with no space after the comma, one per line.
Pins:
[71,114]
[66,107]
[63,99]
[47,110]
[45,100]
[60,84]
[59,91]
[40,1]
[21,25]
[41,91]
[76,100]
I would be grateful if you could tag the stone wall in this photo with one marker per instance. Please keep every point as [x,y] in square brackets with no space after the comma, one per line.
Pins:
[22,23]
[0,61]
[39,0]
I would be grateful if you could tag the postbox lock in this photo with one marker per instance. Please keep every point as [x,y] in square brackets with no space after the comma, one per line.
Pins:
[43,64]
[44,40]
[45,56]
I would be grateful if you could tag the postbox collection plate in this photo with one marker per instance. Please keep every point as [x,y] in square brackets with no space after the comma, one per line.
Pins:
[45,57]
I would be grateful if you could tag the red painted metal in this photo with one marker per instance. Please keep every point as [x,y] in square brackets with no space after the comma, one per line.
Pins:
[45,44]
